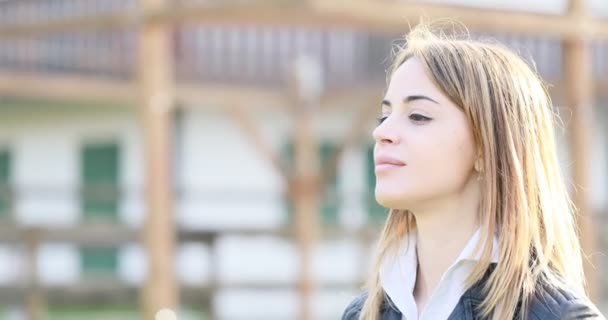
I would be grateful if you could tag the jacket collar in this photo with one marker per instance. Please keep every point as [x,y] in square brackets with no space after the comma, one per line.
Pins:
[465,309]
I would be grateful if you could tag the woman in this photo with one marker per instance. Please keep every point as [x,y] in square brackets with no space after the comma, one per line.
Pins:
[481,225]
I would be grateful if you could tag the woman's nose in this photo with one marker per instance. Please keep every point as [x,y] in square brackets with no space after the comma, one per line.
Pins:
[385,133]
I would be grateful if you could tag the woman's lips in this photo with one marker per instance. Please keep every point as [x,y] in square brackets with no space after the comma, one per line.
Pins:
[383,167]
[387,163]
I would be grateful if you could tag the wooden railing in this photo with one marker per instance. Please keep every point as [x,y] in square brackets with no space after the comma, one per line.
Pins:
[103,291]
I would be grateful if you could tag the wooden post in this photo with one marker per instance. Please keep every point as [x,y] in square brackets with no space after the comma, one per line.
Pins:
[306,90]
[255,136]
[306,206]
[35,298]
[357,130]
[157,106]
[579,85]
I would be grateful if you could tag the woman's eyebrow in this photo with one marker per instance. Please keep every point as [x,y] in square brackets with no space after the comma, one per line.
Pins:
[409,99]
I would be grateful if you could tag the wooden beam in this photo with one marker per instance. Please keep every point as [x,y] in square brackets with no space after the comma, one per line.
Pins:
[219,96]
[392,16]
[378,16]
[111,291]
[156,80]
[255,136]
[124,92]
[75,24]
[363,117]
[558,91]
[62,86]
[578,79]
[219,14]
[99,291]
[194,96]
[100,234]
[116,235]
[189,95]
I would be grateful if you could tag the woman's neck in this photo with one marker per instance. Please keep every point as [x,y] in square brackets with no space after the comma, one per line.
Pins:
[441,235]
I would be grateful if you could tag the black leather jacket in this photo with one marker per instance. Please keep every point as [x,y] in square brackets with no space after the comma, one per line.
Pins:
[547,304]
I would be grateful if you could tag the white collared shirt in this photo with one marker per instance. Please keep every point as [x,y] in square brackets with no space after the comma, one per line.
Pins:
[398,277]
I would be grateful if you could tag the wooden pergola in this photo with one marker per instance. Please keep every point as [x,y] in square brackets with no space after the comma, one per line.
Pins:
[157,95]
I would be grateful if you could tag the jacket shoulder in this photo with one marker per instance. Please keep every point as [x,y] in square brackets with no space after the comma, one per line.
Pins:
[560,304]
[353,309]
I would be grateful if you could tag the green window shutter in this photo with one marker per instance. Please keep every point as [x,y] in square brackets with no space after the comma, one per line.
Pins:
[99,261]
[329,198]
[100,181]
[376,212]
[5,187]
[287,154]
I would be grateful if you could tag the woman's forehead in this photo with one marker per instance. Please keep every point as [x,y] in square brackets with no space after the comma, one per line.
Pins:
[410,79]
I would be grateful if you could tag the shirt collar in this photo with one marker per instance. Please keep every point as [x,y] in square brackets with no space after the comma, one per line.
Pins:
[468,251]
[398,274]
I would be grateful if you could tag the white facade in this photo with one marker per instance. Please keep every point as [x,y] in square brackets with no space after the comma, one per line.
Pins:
[212,154]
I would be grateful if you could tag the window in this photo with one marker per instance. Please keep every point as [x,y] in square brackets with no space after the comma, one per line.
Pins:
[99,164]
[376,212]
[5,187]
[329,198]
[99,261]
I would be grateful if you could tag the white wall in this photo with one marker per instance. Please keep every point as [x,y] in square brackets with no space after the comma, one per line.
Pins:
[217,155]
[46,151]
[46,173]
[214,155]
[219,167]
[599,159]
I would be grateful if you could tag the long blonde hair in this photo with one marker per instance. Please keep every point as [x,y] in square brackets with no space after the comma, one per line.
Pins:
[524,199]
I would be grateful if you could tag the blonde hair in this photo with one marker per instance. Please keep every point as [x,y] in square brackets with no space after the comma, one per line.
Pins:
[524,199]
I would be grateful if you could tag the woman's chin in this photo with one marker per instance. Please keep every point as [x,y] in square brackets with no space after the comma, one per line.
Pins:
[390,200]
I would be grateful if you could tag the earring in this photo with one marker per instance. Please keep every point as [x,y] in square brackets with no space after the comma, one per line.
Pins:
[479,169]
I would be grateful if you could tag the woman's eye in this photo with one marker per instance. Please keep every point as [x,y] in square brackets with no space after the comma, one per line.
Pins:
[380,120]
[419,118]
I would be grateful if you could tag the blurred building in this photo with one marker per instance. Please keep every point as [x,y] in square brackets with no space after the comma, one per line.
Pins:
[67,163]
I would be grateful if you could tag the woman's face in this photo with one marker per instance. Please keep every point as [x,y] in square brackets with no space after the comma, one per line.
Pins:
[424,148]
